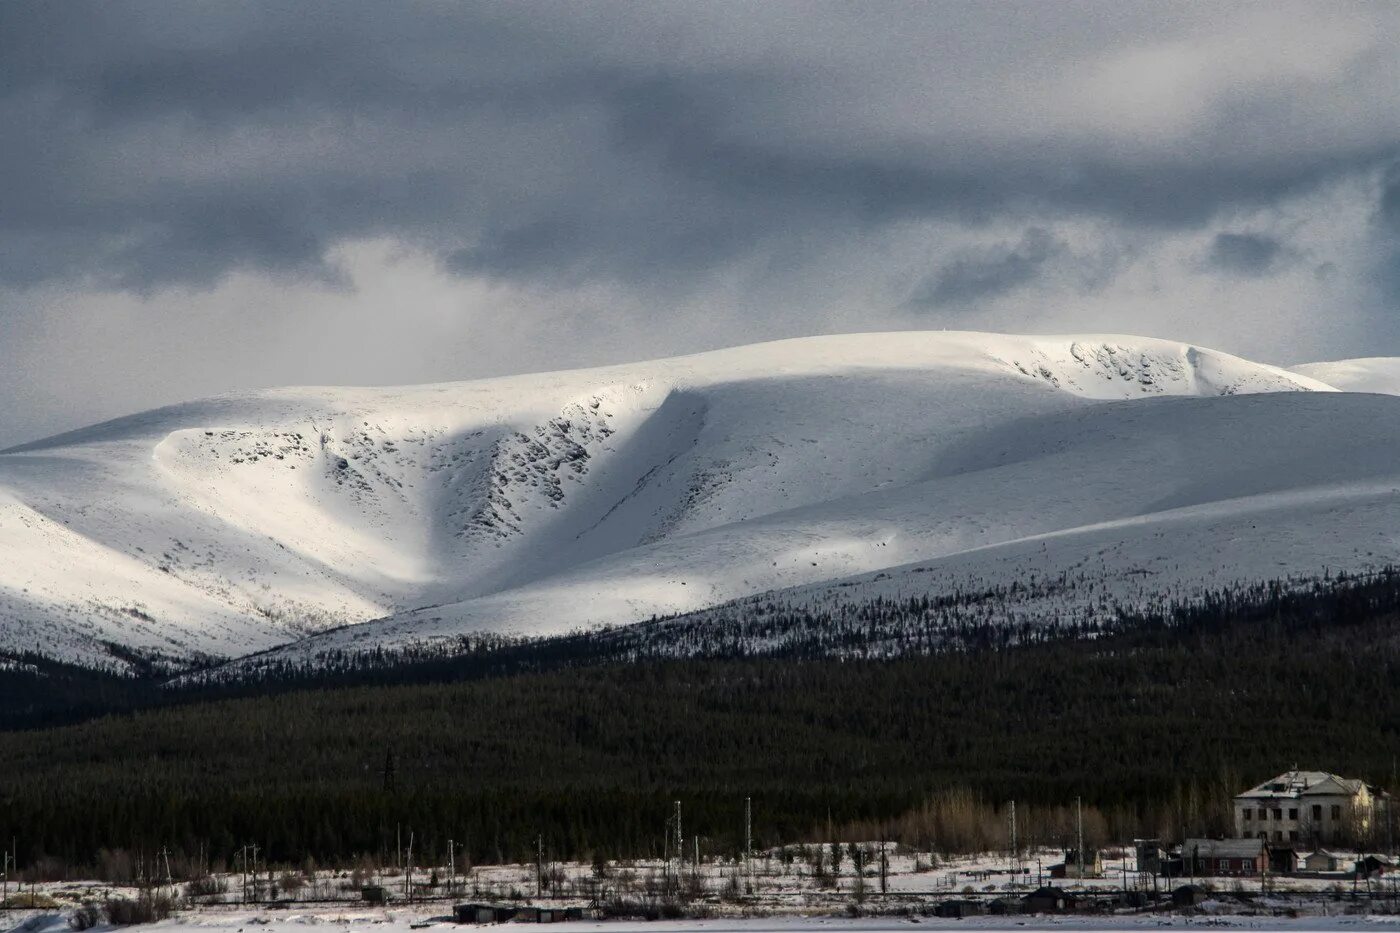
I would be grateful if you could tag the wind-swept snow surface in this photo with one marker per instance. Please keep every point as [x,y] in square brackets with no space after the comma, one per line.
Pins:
[537,504]
[1379,374]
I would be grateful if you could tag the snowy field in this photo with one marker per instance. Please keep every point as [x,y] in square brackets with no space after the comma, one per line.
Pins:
[775,897]
[404,921]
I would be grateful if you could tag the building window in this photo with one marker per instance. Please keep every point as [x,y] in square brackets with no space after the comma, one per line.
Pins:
[1244,866]
[1278,813]
[1263,814]
[1317,811]
[1336,812]
[1293,835]
[1278,835]
[1248,814]
[1293,813]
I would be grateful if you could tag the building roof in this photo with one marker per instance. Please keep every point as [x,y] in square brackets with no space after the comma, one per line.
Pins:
[1304,784]
[1224,848]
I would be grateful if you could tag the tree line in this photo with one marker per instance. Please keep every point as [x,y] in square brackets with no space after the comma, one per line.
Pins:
[1155,721]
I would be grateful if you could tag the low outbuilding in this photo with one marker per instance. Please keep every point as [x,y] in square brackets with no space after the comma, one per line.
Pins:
[482,913]
[1283,860]
[1372,866]
[1050,900]
[1226,857]
[1070,867]
[1327,860]
[958,909]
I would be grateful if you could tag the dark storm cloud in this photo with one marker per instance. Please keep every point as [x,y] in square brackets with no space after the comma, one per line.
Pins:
[174,143]
[992,271]
[1387,272]
[1390,200]
[1244,253]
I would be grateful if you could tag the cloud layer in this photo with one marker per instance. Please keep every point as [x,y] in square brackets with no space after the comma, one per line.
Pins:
[572,183]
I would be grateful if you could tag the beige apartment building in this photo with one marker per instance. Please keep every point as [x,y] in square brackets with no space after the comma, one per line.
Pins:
[1310,808]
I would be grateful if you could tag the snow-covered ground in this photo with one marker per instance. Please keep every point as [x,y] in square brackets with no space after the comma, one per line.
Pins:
[778,898]
[916,462]
[1380,374]
[403,921]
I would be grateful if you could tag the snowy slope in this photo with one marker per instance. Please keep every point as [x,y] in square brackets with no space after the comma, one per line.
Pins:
[542,503]
[1379,374]
[1124,504]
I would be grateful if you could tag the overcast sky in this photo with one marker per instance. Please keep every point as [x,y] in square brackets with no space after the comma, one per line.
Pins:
[204,197]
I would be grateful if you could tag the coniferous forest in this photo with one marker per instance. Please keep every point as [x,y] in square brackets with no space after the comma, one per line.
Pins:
[1154,720]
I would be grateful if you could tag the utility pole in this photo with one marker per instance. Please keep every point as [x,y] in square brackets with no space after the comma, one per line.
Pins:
[1079,811]
[884,866]
[680,845]
[1389,800]
[1015,852]
[748,836]
[539,866]
[451,867]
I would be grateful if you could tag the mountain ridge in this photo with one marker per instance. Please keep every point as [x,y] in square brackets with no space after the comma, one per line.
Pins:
[237,524]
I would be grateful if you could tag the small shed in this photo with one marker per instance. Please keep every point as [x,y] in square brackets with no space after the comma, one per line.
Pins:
[1374,865]
[1050,900]
[957,909]
[1002,906]
[1189,895]
[1150,855]
[482,913]
[1283,859]
[374,894]
[1327,860]
[1069,868]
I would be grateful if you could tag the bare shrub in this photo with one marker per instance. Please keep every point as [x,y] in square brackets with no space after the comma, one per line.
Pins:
[148,908]
[85,917]
[207,886]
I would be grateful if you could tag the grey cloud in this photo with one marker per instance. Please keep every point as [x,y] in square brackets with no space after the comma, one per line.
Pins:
[553,142]
[991,272]
[622,180]
[1249,254]
[1387,263]
[1389,207]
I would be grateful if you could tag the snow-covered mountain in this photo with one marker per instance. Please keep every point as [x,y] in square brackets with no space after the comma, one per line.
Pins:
[543,503]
